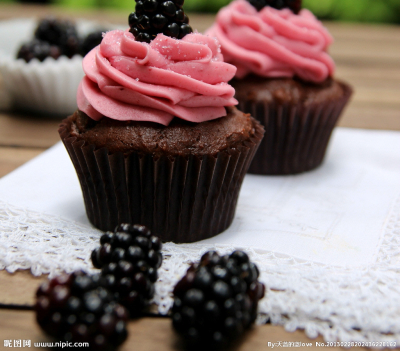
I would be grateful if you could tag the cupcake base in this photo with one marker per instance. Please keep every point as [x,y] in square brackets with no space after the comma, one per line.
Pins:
[181,198]
[298,121]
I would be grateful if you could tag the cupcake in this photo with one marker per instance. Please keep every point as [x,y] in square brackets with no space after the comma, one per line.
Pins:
[41,63]
[156,139]
[284,79]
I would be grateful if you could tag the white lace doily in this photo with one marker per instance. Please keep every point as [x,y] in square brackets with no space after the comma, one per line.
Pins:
[341,304]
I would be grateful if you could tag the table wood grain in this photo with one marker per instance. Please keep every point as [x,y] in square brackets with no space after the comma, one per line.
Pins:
[154,334]
[367,56]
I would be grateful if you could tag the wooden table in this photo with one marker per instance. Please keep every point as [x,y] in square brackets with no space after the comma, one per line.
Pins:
[367,56]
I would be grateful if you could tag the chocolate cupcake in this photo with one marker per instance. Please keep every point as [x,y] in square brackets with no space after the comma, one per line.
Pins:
[156,139]
[284,80]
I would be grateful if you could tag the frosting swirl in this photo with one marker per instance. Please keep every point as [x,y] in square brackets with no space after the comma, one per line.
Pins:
[273,43]
[130,80]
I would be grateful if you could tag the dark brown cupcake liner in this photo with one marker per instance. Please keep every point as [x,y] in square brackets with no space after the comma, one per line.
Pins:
[296,136]
[180,198]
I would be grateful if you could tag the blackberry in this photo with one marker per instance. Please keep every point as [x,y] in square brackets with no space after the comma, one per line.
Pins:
[91,41]
[75,308]
[39,50]
[61,33]
[129,259]
[152,17]
[294,5]
[217,299]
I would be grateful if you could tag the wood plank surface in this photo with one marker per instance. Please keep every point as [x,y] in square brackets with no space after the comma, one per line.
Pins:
[11,158]
[32,131]
[367,56]
[154,334]
[145,334]
[19,288]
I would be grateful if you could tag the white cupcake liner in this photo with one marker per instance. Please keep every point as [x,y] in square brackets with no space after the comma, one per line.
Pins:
[47,87]
[44,87]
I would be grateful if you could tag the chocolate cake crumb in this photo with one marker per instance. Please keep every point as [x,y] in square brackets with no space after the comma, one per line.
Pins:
[179,138]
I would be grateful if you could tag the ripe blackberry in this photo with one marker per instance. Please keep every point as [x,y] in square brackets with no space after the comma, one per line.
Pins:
[39,50]
[61,33]
[75,308]
[294,5]
[129,259]
[217,299]
[91,41]
[152,17]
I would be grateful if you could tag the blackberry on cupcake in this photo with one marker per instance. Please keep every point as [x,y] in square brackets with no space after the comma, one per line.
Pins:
[61,33]
[152,17]
[294,5]
[55,37]
[37,49]
[52,38]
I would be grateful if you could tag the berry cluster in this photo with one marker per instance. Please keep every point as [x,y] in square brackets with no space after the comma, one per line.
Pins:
[294,5]
[54,37]
[61,33]
[39,50]
[213,303]
[129,259]
[217,299]
[152,17]
[76,308]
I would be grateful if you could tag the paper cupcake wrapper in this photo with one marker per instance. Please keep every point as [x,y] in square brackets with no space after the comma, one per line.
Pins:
[180,198]
[296,137]
[47,87]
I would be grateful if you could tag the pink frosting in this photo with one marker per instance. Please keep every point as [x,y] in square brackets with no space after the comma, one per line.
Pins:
[273,43]
[130,80]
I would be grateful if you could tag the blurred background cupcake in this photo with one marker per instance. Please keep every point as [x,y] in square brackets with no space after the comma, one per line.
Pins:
[41,62]
[284,80]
